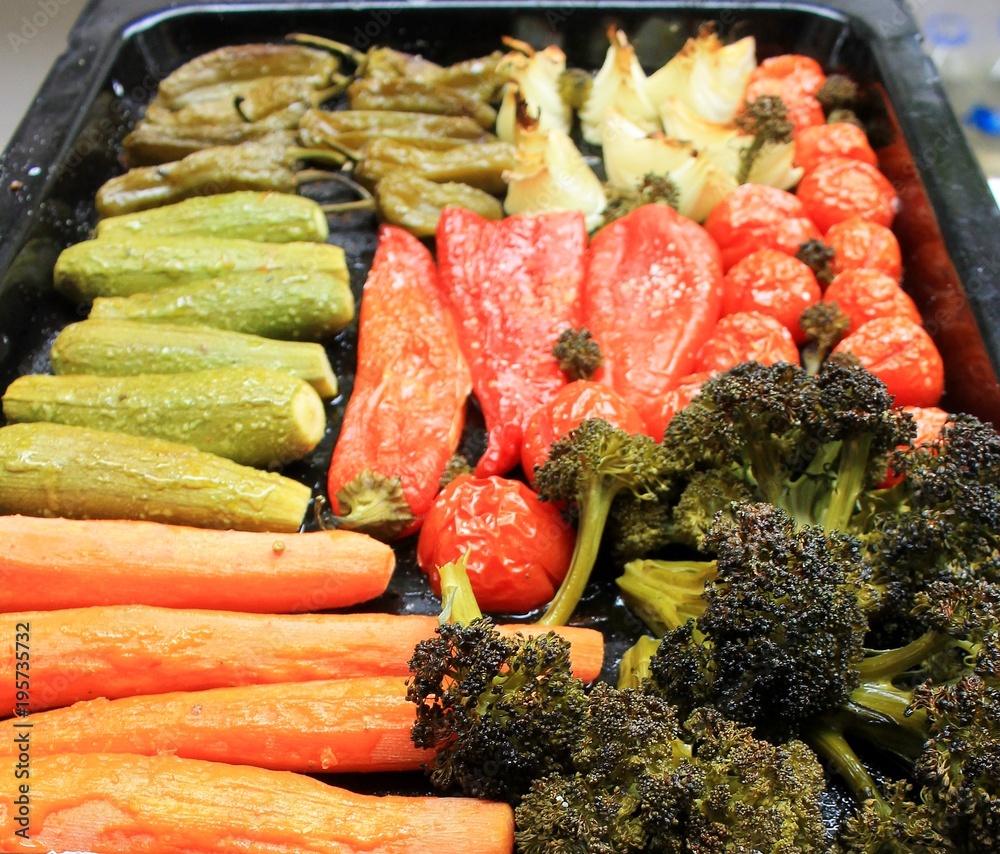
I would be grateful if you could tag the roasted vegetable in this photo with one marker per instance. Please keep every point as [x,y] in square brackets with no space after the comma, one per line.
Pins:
[253,416]
[295,305]
[102,268]
[125,348]
[80,473]
[351,129]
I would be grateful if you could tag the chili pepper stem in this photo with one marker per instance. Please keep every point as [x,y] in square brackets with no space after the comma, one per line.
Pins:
[356,56]
[349,207]
[594,509]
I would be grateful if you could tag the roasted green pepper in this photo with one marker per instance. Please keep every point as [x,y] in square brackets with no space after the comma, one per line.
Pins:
[479,164]
[415,203]
[151,144]
[351,129]
[218,73]
[224,169]
[404,94]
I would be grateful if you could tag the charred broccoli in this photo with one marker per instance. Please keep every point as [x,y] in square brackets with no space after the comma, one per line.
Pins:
[643,782]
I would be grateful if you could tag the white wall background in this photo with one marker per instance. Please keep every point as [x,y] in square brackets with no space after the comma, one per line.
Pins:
[32,35]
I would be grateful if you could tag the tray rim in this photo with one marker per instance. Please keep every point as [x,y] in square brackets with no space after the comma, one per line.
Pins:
[959,195]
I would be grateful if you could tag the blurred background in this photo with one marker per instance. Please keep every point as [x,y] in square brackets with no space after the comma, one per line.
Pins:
[962,36]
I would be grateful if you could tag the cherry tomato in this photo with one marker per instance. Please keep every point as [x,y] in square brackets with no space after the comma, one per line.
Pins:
[755,216]
[747,336]
[856,242]
[795,79]
[840,188]
[520,547]
[574,403]
[676,399]
[929,421]
[772,283]
[864,295]
[901,354]
[813,145]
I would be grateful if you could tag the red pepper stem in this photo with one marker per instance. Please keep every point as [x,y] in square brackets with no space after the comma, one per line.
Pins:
[595,504]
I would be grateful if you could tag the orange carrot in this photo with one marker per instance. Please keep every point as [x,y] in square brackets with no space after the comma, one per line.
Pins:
[124,804]
[72,563]
[124,650]
[341,725]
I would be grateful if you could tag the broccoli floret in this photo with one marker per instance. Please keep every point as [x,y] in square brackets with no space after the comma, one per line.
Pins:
[942,520]
[838,92]
[947,732]
[644,783]
[371,503]
[781,634]
[498,711]
[578,354]
[810,445]
[824,325]
[766,120]
[654,190]
[818,256]
[591,465]
[574,87]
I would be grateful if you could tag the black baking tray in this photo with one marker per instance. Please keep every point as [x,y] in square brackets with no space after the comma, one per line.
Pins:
[69,144]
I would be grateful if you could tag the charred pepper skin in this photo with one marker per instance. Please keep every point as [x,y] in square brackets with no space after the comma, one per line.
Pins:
[406,413]
[514,286]
[652,297]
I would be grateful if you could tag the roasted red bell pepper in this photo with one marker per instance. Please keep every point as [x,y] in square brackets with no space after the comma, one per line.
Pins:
[515,286]
[651,298]
[406,412]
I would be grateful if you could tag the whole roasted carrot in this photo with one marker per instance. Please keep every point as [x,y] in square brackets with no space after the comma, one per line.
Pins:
[651,298]
[121,651]
[74,563]
[515,286]
[123,804]
[340,725]
[407,408]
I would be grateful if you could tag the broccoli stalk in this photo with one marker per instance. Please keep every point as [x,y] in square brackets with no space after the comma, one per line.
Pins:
[591,465]
[665,594]
[824,325]
[766,120]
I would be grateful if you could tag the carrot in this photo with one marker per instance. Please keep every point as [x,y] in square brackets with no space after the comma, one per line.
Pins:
[118,803]
[341,725]
[124,650]
[72,563]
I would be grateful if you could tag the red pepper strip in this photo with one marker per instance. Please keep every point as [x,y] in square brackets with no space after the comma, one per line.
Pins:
[406,413]
[651,298]
[515,286]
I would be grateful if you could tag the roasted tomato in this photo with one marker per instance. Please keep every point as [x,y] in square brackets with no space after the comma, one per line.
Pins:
[519,546]
[747,336]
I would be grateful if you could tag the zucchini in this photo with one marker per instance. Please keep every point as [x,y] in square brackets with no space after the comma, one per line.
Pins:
[104,268]
[128,347]
[253,416]
[80,473]
[247,215]
[287,304]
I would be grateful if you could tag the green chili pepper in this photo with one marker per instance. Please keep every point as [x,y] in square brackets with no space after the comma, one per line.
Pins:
[418,97]
[151,144]
[414,203]
[351,129]
[479,164]
[217,73]
[225,169]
